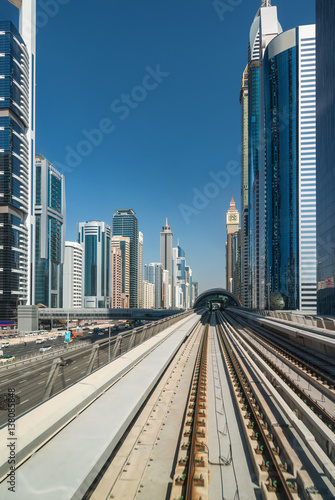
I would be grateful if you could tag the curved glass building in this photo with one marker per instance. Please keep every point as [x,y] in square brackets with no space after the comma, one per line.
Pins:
[289,79]
[14,170]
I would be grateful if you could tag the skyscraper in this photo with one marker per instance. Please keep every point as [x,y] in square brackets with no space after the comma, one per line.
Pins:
[73,275]
[153,273]
[49,234]
[244,188]
[116,267]
[148,295]
[123,243]
[140,271]
[263,29]
[232,222]
[289,76]
[166,257]
[325,158]
[178,269]
[17,136]
[95,239]
[125,223]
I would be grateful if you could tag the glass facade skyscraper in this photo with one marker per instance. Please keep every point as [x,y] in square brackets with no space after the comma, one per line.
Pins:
[125,223]
[325,144]
[49,234]
[263,29]
[17,88]
[289,77]
[153,273]
[95,239]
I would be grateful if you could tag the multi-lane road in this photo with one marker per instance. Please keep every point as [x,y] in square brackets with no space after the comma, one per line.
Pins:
[32,370]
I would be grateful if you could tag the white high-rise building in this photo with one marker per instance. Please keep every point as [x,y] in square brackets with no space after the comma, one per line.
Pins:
[73,275]
[140,270]
[148,295]
[166,257]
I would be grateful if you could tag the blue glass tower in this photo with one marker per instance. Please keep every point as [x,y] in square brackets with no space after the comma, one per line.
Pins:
[325,144]
[125,223]
[95,240]
[289,75]
[49,234]
[15,172]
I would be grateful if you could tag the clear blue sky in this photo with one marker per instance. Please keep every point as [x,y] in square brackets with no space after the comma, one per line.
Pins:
[154,152]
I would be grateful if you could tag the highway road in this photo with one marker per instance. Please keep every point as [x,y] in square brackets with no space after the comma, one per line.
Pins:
[30,379]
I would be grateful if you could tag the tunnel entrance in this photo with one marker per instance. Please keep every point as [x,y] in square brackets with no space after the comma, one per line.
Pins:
[216,299]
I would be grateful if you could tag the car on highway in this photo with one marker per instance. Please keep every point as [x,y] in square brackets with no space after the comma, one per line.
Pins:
[9,356]
[45,348]
[65,362]
[61,334]
[101,333]
[115,328]
[52,338]
[40,341]
[5,344]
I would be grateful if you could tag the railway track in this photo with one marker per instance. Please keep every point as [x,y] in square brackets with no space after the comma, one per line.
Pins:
[299,364]
[191,474]
[216,376]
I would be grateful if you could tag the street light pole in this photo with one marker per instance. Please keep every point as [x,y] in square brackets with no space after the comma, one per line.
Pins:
[109,344]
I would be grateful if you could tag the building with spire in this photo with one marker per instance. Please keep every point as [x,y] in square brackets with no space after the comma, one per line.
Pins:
[166,258]
[264,28]
[244,189]
[232,225]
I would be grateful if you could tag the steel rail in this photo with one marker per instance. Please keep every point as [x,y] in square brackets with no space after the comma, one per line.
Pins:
[298,360]
[196,385]
[250,407]
[313,405]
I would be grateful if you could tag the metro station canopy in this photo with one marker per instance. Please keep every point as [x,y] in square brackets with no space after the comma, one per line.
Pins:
[216,295]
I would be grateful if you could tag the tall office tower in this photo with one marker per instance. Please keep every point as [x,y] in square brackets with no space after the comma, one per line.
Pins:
[236,258]
[49,234]
[73,275]
[195,290]
[126,224]
[166,289]
[140,271]
[148,295]
[17,137]
[244,189]
[232,222]
[188,283]
[178,269]
[289,70]
[123,242]
[95,240]
[325,158]
[153,273]
[263,29]
[116,267]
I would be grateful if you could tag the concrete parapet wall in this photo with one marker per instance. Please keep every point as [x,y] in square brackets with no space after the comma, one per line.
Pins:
[65,466]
